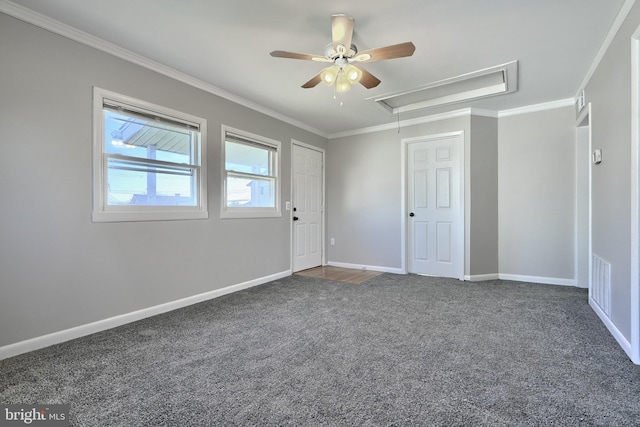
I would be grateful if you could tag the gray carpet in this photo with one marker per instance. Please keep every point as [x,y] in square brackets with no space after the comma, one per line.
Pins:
[396,350]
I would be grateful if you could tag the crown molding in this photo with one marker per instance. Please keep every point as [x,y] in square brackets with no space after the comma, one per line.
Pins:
[567,102]
[622,15]
[458,113]
[31,17]
[404,123]
[484,113]
[561,103]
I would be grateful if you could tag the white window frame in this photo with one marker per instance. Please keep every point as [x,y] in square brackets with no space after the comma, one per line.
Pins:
[251,212]
[102,212]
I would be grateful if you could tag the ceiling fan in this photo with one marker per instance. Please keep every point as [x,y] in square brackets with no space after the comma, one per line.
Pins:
[344,56]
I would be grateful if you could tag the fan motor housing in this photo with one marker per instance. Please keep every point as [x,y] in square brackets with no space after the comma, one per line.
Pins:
[330,52]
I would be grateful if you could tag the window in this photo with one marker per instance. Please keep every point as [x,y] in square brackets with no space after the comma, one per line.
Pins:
[251,187]
[149,161]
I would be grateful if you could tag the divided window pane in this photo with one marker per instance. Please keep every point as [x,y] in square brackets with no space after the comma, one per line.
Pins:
[148,161]
[250,177]
[166,173]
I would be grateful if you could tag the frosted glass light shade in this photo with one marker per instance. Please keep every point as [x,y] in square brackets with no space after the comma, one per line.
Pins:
[329,75]
[342,83]
[354,74]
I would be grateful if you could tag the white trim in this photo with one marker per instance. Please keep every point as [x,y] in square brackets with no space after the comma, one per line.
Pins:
[420,120]
[250,212]
[620,18]
[102,212]
[323,224]
[634,353]
[27,15]
[403,208]
[366,267]
[123,319]
[537,279]
[585,114]
[482,277]
[613,330]
[404,146]
[561,103]
[464,112]
[483,113]
[590,280]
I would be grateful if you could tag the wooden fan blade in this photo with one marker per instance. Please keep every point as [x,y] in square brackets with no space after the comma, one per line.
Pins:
[341,32]
[389,52]
[313,82]
[304,56]
[367,80]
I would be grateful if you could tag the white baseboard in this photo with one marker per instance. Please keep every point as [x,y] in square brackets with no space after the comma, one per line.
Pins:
[482,277]
[472,278]
[112,322]
[366,267]
[538,279]
[613,330]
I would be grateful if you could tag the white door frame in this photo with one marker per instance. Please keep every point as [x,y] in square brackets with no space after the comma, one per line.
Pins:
[584,120]
[322,195]
[404,196]
[635,197]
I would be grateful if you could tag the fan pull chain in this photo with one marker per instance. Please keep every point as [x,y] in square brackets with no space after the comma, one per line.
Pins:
[335,95]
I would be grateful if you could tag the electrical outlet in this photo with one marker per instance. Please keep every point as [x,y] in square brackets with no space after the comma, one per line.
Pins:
[333,241]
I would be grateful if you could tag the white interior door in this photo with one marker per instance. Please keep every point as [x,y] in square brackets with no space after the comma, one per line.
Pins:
[307,207]
[435,206]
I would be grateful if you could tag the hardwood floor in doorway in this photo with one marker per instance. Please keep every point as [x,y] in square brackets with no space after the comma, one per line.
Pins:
[339,274]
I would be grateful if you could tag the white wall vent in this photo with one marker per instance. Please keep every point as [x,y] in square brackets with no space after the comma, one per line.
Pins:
[601,284]
[492,81]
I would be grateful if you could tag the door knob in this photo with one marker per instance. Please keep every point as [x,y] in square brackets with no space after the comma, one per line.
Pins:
[295,218]
[412,214]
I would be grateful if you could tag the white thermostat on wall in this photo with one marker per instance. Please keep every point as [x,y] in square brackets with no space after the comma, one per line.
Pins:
[597,156]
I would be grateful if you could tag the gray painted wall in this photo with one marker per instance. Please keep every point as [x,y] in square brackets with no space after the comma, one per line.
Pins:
[519,195]
[57,268]
[536,173]
[363,200]
[609,91]
[483,196]
[364,193]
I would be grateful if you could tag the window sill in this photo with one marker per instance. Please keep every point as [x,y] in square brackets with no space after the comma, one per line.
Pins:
[120,216]
[230,214]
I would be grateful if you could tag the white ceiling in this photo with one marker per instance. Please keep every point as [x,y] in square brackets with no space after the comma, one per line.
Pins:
[226,43]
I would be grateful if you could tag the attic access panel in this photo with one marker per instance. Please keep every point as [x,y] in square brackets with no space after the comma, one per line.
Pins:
[497,80]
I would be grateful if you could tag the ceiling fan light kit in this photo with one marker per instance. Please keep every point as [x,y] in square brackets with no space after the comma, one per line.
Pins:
[342,83]
[329,75]
[342,54]
[353,73]
[343,78]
